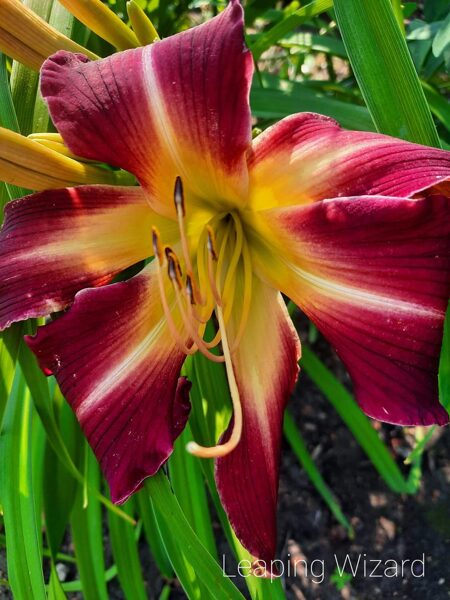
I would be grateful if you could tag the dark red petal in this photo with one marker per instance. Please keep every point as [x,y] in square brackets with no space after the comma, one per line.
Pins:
[266,369]
[373,273]
[308,157]
[57,242]
[177,107]
[118,368]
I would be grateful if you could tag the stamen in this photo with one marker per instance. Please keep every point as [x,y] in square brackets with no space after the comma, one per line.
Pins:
[157,247]
[191,327]
[228,288]
[189,290]
[211,243]
[233,441]
[178,197]
[167,312]
[246,301]
[212,256]
[193,312]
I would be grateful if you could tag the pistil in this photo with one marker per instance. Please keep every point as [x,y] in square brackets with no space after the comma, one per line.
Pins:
[234,439]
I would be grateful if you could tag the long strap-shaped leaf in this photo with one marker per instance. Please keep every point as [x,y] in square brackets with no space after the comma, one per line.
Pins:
[385,72]
[169,513]
[17,497]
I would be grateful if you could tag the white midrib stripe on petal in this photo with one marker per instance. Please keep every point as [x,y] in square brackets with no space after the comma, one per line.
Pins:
[161,119]
[357,296]
[99,391]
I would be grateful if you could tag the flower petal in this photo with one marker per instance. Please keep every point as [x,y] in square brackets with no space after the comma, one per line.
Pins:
[266,369]
[177,107]
[118,367]
[308,157]
[57,242]
[373,273]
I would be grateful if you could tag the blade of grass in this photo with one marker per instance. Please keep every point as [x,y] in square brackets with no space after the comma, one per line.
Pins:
[384,69]
[300,450]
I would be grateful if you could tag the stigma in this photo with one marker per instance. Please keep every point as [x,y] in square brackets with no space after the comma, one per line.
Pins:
[195,286]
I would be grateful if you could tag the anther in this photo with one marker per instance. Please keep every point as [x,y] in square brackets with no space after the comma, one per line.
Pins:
[157,248]
[173,268]
[178,196]
[189,289]
[211,243]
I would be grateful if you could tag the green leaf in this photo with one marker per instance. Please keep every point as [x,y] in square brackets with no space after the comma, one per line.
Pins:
[126,556]
[59,485]
[385,72]
[22,524]
[87,535]
[168,513]
[278,31]
[152,534]
[292,97]
[9,351]
[442,38]
[24,81]
[188,484]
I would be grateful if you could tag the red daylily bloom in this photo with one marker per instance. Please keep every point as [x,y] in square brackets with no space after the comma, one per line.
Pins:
[354,227]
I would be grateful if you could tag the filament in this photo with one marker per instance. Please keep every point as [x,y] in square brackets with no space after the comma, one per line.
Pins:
[181,213]
[170,322]
[246,301]
[191,328]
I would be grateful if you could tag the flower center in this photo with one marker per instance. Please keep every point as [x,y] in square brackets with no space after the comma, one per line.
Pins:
[217,281]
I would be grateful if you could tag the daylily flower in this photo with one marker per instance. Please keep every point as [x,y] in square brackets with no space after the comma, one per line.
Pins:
[353,227]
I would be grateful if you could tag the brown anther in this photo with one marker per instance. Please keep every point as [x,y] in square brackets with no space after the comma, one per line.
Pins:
[173,267]
[157,248]
[178,196]
[211,243]
[172,271]
[190,289]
